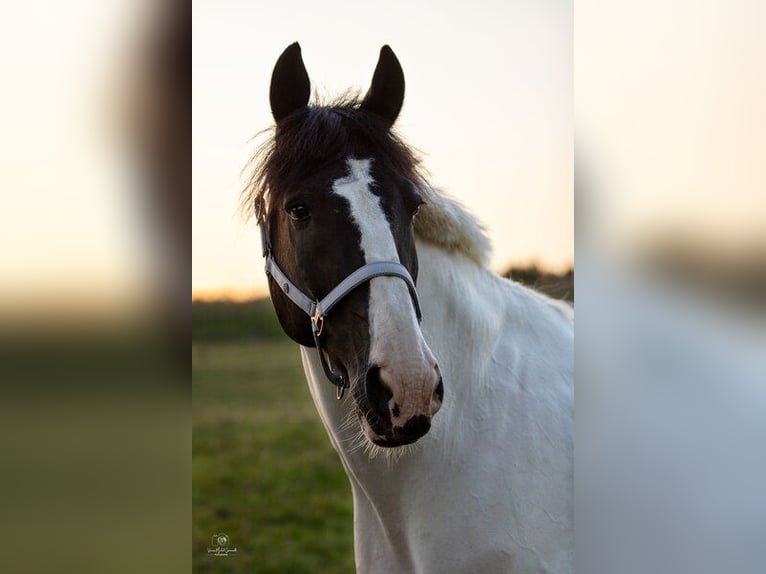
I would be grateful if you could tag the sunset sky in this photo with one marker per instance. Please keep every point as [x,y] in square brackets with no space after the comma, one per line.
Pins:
[488,102]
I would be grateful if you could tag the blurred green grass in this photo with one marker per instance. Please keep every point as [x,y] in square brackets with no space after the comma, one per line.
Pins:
[228,321]
[264,471]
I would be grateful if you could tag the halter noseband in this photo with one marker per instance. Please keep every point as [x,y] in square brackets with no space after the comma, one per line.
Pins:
[317,310]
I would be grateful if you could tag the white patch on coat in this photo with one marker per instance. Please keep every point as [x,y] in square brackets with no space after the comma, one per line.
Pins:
[366,212]
[396,343]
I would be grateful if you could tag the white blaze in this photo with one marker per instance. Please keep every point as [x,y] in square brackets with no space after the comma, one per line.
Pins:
[366,212]
[396,344]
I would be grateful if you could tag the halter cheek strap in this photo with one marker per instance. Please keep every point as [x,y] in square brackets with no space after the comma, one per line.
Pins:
[317,310]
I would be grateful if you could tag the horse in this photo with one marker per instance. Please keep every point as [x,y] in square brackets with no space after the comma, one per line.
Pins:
[456,433]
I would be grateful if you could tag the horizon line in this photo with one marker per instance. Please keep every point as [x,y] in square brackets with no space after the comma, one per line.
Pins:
[240,295]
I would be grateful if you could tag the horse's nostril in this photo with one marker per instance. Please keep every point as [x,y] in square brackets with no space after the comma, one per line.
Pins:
[417,426]
[378,393]
[439,392]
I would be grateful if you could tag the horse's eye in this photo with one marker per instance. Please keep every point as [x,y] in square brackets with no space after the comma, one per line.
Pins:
[298,212]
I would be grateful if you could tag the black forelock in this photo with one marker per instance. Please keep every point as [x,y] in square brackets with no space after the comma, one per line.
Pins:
[319,136]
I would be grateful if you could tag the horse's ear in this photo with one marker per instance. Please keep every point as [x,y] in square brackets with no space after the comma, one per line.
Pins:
[290,86]
[386,94]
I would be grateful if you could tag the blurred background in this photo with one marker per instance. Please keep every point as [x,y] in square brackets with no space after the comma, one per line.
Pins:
[95,216]
[670,186]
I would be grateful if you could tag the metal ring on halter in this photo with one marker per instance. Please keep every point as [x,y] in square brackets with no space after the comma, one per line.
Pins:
[318,321]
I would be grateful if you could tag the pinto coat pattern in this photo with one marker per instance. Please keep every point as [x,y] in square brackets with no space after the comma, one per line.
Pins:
[487,485]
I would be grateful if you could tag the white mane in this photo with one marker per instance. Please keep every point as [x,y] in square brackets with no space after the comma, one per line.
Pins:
[444,222]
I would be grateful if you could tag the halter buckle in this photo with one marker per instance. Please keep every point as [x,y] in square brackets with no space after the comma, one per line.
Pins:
[317,321]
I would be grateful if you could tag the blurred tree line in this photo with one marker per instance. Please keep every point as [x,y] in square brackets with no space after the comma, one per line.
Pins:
[555,285]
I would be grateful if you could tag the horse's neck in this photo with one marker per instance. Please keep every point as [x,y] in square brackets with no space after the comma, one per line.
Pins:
[505,355]
[463,310]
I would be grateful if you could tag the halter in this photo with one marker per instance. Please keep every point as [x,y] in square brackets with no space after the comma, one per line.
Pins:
[317,310]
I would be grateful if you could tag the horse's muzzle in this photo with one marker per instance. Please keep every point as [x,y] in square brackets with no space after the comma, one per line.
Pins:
[400,414]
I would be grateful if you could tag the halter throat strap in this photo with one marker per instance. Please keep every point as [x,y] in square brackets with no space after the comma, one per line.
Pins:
[317,310]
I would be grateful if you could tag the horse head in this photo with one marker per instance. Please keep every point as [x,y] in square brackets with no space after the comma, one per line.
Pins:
[337,190]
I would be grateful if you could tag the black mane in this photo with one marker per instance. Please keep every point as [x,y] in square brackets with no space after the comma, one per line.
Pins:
[318,136]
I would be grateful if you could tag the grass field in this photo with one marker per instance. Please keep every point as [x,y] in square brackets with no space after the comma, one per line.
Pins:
[264,472]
